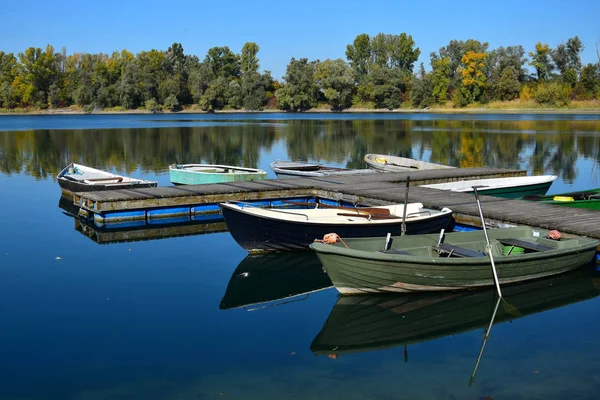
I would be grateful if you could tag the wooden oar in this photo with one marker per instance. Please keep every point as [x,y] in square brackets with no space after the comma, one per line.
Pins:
[487,241]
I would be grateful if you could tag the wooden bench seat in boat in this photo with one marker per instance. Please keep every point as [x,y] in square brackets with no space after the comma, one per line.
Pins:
[525,244]
[452,250]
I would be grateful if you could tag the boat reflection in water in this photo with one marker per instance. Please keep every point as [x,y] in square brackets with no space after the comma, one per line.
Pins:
[365,323]
[260,281]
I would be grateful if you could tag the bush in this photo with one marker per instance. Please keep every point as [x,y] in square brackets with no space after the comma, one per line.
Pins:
[553,94]
[152,106]
[526,93]
[88,108]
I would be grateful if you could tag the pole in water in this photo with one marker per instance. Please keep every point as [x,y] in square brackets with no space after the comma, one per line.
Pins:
[488,245]
[403,227]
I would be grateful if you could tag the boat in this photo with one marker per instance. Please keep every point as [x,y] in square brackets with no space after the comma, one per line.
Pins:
[589,199]
[450,261]
[387,163]
[260,230]
[80,178]
[377,322]
[509,188]
[198,174]
[268,280]
[294,169]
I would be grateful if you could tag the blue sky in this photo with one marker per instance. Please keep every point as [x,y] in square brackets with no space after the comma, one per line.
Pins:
[308,28]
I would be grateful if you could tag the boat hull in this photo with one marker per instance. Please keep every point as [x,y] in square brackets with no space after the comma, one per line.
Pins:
[259,234]
[588,199]
[357,271]
[516,192]
[68,187]
[303,170]
[221,174]
[386,163]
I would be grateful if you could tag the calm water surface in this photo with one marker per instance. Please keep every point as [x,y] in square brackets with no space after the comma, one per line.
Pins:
[192,317]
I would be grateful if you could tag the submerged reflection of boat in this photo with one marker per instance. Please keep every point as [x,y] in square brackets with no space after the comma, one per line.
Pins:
[266,278]
[365,323]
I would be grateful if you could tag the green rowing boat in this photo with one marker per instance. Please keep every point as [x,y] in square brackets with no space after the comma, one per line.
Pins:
[589,199]
[449,261]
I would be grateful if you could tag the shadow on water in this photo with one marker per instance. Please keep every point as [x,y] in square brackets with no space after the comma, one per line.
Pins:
[376,322]
[262,281]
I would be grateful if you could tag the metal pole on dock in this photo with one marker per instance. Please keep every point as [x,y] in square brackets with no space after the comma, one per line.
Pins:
[488,245]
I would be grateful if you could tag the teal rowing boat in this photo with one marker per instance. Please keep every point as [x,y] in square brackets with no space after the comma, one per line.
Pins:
[589,199]
[199,174]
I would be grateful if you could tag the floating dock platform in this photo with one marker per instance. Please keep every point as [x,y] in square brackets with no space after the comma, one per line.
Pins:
[373,189]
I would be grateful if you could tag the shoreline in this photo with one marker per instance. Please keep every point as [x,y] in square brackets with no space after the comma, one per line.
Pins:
[566,111]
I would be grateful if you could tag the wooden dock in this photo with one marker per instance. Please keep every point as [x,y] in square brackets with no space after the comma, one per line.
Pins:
[372,189]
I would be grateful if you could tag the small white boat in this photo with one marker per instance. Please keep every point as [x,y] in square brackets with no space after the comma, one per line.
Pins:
[263,230]
[386,163]
[199,174]
[293,169]
[512,188]
[80,178]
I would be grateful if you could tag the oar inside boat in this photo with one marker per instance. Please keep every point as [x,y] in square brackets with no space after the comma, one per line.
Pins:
[487,241]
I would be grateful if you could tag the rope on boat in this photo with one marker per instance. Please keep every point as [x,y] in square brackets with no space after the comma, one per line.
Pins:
[332,238]
[554,235]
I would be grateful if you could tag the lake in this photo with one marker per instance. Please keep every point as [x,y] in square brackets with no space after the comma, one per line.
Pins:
[93,314]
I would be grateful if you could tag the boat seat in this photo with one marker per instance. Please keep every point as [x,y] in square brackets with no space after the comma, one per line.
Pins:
[458,251]
[395,251]
[525,244]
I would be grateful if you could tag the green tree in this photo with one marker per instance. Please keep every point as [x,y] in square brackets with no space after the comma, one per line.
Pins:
[567,58]
[214,97]
[540,60]
[300,92]
[223,62]
[8,73]
[253,90]
[38,70]
[359,56]
[421,89]
[249,59]
[440,79]
[508,87]
[384,87]
[589,83]
[403,52]
[334,79]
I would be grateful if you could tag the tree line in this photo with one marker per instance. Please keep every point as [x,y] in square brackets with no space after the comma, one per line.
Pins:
[378,73]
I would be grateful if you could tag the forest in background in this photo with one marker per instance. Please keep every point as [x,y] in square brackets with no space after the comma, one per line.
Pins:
[378,73]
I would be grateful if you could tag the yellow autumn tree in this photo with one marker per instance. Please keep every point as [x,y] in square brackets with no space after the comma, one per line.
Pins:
[473,76]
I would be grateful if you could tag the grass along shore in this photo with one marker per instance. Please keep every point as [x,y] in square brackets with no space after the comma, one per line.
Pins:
[513,106]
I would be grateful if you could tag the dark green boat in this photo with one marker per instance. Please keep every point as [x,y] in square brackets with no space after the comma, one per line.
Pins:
[365,323]
[450,262]
[589,199]
[261,279]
